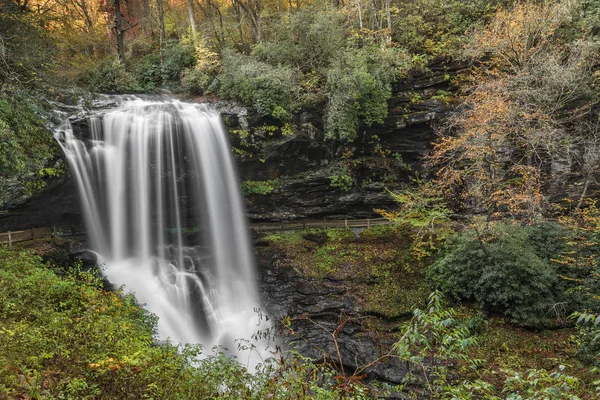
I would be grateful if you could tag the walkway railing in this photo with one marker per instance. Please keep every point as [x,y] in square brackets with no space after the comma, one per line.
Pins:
[12,237]
[316,224]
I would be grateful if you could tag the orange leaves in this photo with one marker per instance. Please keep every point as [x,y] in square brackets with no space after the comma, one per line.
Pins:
[515,35]
[486,155]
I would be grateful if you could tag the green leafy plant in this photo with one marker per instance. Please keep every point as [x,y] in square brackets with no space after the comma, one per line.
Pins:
[259,187]
[341,179]
[498,266]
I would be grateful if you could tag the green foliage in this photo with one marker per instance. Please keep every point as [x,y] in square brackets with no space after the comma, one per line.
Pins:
[540,384]
[177,58]
[359,85]
[433,338]
[502,269]
[147,72]
[259,187]
[588,337]
[308,40]
[436,339]
[435,28]
[272,90]
[67,338]
[341,178]
[25,48]
[110,76]
[26,146]
[195,81]
[422,208]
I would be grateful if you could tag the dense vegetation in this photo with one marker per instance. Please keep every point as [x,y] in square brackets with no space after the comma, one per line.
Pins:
[528,106]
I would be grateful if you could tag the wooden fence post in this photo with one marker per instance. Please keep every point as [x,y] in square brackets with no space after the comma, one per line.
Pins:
[9,240]
[346,223]
[368,223]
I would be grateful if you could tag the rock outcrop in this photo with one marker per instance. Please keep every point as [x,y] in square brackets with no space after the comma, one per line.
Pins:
[315,308]
[302,160]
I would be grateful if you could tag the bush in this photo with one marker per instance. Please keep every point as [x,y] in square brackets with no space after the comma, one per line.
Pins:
[176,58]
[504,269]
[259,187]
[26,146]
[341,178]
[148,73]
[195,82]
[359,86]
[271,90]
[108,76]
[309,40]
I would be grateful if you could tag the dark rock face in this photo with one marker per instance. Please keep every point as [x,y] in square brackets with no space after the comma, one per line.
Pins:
[316,308]
[57,205]
[303,161]
[311,196]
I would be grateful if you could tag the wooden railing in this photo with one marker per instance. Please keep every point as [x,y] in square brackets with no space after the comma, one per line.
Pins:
[316,224]
[12,237]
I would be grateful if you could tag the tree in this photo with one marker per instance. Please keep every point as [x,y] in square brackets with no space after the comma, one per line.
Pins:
[530,106]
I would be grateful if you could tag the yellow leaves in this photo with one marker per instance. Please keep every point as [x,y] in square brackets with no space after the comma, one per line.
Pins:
[389,215]
[106,365]
[206,59]
[516,34]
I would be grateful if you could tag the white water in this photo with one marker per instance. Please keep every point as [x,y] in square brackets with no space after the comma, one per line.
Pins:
[163,212]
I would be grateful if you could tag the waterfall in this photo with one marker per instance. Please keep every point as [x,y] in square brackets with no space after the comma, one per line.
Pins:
[164,214]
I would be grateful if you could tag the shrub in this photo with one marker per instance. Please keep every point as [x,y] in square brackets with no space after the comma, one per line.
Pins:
[147,72]
[359,86]
[176,59]
[341,178]
[259,187]
[26,146]
[309,40]
[271,90]
[501,269]
[195,81]
[108,76]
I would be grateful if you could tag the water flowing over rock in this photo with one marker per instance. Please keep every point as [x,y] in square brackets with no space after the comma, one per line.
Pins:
[163,212]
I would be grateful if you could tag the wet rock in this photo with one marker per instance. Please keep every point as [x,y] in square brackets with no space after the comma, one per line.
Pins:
[318,307]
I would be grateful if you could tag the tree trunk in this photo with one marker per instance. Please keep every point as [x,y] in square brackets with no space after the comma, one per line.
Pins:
[388,15]
[190,4]
[118,30]
[161,28]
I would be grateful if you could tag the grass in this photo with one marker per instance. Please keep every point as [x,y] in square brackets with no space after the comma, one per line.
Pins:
[375,265]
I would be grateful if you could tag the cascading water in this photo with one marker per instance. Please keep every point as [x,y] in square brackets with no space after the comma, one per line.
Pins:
[164,214]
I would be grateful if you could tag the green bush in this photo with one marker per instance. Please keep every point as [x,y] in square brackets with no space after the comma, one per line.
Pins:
[359,86]
[108,76]
[308,40]
[271,90]
[176,58]
[341,178]
[503,268]
[259,187]
[148,73]
[26,146]
[195,82]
